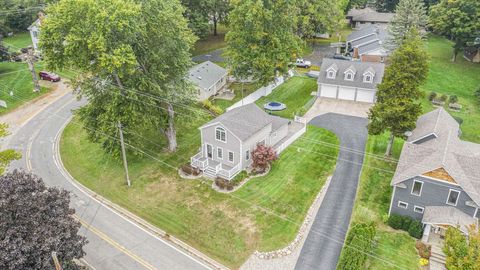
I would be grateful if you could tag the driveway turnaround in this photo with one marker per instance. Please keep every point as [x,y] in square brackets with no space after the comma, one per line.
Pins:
[115,242]
[324,242]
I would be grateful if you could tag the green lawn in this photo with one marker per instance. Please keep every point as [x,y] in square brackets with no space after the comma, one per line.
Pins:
[459,78]
[248,88]
[18,41]
[16,78]
[211,43]
[227,227]
[294,93]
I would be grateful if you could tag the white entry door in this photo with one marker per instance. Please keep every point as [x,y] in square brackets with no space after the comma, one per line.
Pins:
[329,91]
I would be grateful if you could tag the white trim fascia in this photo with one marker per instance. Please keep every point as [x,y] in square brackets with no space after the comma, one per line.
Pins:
[219,123]
[475,213]
[413,186]
[423,137]
[439,180]
[448,197]
[391,200]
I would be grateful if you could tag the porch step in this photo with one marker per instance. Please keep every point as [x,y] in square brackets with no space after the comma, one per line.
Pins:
[210,172]
[437,259]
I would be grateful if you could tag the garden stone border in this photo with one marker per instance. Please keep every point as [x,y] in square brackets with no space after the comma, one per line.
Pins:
[244,181]
[189,177]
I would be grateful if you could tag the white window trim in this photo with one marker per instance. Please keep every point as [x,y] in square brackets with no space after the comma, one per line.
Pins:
[367,76]
[421,188]
[221,150]
[332,74]
[224,130]
[351,74]
[233,157]
[418,207]
[400,202]
[448,197]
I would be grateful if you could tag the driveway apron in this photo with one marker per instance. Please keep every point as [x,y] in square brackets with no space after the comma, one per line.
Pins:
[324,242]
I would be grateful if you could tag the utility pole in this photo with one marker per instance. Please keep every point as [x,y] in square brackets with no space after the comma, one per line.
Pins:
[124,155]
[55,261]
[30,59]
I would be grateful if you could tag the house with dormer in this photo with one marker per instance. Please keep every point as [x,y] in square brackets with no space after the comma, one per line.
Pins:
[437,180]
[228,140]
[349,80]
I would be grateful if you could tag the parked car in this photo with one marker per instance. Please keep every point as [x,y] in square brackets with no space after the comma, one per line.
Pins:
[303,64]
[49,76]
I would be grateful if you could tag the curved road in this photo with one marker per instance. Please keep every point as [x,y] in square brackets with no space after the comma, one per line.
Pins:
[114,241]
[323,245]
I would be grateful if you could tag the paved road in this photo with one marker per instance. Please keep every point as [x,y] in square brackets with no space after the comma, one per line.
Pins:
[114,242]
[324,242]
[214,56]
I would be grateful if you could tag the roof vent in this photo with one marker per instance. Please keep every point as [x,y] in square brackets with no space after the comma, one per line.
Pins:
[199,77]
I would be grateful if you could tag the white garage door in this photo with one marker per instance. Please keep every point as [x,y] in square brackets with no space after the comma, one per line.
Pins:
[346,93]
[329,91]
[366,96]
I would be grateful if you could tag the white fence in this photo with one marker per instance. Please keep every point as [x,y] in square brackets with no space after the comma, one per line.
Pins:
[291,139]
[261,92]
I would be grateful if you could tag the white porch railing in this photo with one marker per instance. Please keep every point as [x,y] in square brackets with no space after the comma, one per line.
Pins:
[196,161]
[229,174]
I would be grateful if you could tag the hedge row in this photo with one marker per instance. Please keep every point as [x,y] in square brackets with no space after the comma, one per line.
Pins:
[358,245]
[406,223]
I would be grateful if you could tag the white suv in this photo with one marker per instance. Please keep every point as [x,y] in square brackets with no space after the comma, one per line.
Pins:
[303,64]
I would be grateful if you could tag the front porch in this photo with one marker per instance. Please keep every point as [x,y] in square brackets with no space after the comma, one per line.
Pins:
[212,168]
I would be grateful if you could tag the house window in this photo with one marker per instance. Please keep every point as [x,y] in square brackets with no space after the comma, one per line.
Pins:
[219,153]
[403,205]
[453,197]
[35,34]
[418,209]
[247,155]
[349,77]
[220,134]
[417,188]
[230,156]
[367,79]
[331,75]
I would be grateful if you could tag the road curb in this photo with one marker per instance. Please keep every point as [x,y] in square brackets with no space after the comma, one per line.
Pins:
[130,216]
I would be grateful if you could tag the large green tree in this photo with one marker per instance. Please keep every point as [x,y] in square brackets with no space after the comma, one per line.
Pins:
[386,5]
[35,221]
[319,16]
[398,107]
[262,40]
[408,14]
[457,20]
[462,253]
[131,56]
[219,10]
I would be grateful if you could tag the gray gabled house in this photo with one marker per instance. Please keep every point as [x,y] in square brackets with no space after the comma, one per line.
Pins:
[368,44]
[366,16]
[209,78]
[349,80]
[437,179]
[229,139]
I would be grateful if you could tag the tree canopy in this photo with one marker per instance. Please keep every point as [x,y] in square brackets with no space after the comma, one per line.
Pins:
[408,14]
[398,107]
[462,254]
[319,16]
[262,40]
[131,56]
[457,20]
[34,222]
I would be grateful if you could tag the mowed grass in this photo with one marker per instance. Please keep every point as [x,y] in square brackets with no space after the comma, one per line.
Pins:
[392,248]
[16,78]
[294,93]
[212,42]
[18,41]
[238,88]
[460,78]
[265,214]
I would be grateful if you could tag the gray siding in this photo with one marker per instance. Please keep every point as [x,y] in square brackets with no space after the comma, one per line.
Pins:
[281,133]
[232,144]
[434,193]
[251,143]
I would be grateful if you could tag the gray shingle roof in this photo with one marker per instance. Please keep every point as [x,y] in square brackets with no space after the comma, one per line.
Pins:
[448,215]
[360,67]
[247,120]
[459,158]
[355,12]
[374,17]
[206,74]
[366,30]
[376,45]
[368,38]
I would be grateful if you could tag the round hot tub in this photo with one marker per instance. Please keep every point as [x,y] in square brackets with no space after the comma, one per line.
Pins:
[274,106]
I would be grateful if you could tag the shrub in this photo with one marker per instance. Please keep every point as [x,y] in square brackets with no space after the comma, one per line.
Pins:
[423,262]
[207,104]
[424,250]
[406,221]
[415,229]
[443,97]
[262,157]
[453,99]
[395,221]
[189,170]
[432,96]
[358,245]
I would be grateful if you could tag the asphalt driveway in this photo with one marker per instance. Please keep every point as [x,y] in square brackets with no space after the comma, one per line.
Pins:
[324,242]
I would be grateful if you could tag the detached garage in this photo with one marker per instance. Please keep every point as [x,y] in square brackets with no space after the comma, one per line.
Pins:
[350,80]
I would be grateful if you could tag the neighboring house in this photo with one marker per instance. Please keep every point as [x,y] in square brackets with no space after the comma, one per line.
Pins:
[229,139]
[349,80]
[472,53]
[437,179]
[209,79]
[35,33]
[368,44]
[360,17]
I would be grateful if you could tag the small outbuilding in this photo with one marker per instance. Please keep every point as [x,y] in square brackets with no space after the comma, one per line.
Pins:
[209,78]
